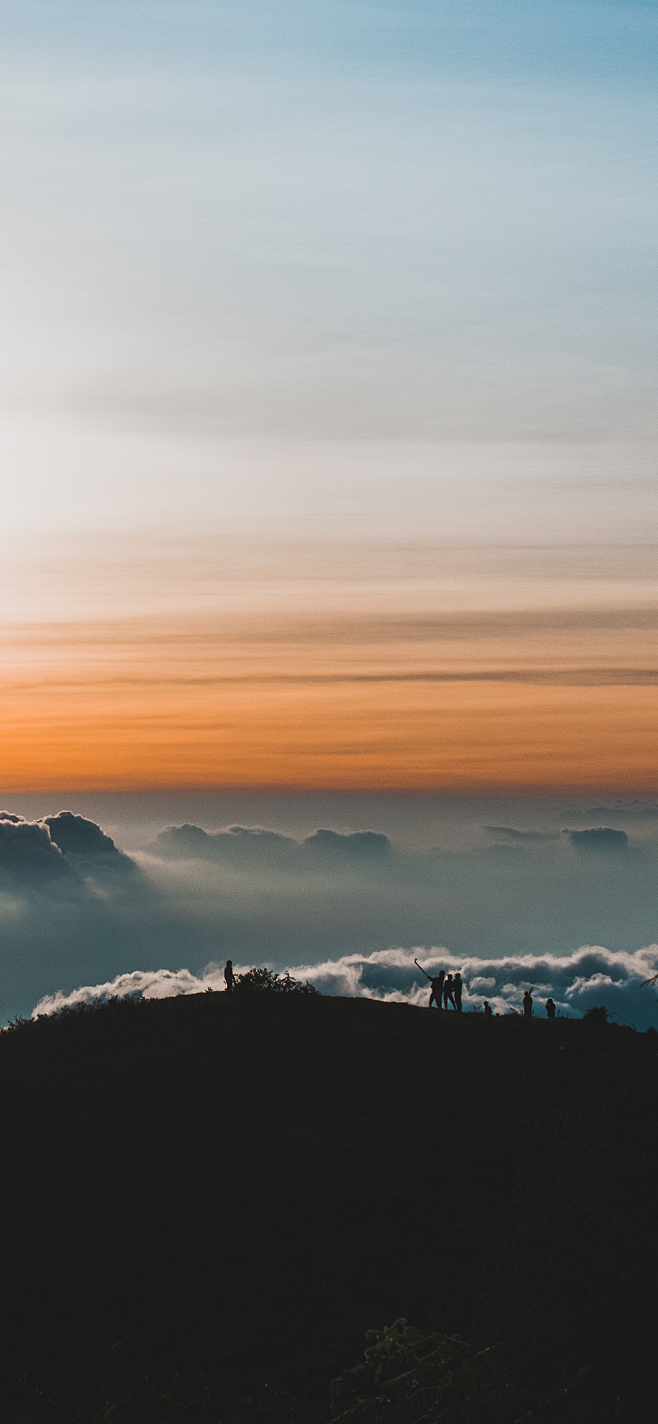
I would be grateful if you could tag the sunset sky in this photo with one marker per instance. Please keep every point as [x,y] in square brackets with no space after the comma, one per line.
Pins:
[328,395]
[329,435]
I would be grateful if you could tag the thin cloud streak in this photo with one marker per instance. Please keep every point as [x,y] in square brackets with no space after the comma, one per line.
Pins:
[244,652]
[332,682]
[455,736]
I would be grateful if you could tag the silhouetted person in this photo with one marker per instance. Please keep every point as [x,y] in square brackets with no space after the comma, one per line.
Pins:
[457,987]
[527,1004]
[550,1008]
[447,992]
[487,1010]
[437,989]
[436,982]
[228,976]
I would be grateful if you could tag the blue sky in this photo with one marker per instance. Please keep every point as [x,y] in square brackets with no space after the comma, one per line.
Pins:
[331,221]
[230,230]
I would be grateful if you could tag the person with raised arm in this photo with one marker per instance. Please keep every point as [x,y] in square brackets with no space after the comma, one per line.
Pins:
[436,982]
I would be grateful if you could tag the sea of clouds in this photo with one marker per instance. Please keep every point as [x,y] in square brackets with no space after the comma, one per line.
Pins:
[569,911]
[589,977]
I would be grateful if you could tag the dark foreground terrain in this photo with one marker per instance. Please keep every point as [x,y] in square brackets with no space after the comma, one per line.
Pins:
[207,1202]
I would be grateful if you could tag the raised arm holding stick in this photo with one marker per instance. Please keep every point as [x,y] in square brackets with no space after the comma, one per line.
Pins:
[436,996]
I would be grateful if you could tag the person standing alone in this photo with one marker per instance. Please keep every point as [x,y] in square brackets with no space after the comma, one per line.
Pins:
[228,976]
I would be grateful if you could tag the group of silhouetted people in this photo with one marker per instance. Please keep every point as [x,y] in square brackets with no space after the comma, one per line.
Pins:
[528,1006]
[446,989]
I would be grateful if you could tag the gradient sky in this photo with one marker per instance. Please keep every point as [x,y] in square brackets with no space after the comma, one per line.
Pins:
[327,372]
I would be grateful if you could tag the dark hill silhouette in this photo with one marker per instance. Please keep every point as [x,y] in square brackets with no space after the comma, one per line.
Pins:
[207,1202]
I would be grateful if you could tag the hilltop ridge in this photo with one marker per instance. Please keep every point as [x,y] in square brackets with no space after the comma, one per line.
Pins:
[207,1202]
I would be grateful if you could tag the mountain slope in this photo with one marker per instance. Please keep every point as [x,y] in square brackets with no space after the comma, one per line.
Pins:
[207,1201]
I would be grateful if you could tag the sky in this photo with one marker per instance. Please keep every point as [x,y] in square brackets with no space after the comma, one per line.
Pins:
[328,395]
[328,420]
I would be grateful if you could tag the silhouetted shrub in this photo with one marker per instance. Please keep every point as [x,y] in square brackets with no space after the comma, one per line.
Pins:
[265,981]
[410,1375]
[597,1017]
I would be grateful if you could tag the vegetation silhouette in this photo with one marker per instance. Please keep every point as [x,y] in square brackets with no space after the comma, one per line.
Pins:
[208,1201]
[266,981]
[411,1376]
[598,1016]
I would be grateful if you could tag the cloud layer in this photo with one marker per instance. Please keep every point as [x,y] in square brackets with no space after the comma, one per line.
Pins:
[600,838]
[61,845]
[242,846]
[518,905]
[591,976]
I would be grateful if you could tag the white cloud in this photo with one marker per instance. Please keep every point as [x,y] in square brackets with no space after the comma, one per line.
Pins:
[591,975]
[144,984]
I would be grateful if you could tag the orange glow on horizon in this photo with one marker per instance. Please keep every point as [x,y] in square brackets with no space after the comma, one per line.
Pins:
[149,706]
